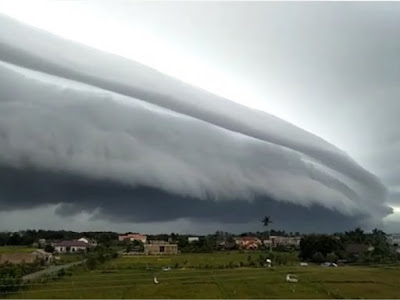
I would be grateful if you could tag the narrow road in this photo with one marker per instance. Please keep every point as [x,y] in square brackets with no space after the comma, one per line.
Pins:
[50,270]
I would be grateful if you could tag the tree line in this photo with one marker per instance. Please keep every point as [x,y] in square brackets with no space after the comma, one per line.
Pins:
[28,237]
[355,246]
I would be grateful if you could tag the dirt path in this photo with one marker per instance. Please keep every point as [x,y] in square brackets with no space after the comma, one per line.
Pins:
[50,270]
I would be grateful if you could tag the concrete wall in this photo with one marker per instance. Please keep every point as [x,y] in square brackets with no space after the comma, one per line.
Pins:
[160,249]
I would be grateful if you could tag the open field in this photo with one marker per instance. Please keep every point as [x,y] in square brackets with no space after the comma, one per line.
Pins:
[132,277]
[16,249]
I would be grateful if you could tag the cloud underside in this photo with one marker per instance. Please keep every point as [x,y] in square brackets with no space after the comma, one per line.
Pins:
[119,203]
[100,133]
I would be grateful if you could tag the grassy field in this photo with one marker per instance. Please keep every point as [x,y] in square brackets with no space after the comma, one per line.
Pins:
[132,277]
[16,249]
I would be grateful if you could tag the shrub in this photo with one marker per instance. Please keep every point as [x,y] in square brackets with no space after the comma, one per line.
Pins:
[318,257]
[91,262]
[332,257]
[61,273]
[49,248]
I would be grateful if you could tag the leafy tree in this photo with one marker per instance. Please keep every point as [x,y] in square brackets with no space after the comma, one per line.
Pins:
[311,244]
[357,236]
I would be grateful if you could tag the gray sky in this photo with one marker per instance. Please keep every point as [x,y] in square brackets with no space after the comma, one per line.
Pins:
[329,68]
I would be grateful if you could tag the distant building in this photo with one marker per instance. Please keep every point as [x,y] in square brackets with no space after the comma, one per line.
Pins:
[394,239]
[133,237]
[71,246]
[283,241]
[192,239]
[248,242]
[160,248]
[225,244]
[43,255]
[91,242]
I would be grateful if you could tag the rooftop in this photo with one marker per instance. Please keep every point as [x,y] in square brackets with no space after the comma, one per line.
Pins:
[71,244]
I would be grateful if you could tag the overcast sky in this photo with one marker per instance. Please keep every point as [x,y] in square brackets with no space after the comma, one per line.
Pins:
[101,142]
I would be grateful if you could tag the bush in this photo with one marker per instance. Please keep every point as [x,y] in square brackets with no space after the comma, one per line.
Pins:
[10,277]
[332,257]
[318,257]
[91,262]
[49,248]
[61,273]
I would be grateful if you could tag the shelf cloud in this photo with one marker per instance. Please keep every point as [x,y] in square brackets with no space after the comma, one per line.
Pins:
[99,133]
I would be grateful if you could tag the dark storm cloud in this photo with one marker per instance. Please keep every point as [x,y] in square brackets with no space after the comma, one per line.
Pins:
[130,137]
[116,202]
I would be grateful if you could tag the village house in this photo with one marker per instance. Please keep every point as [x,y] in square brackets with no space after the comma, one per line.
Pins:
[283,241]
[225,244]
[91,242]
[160,248]
[248,242]
[133,237]
[43,255]
[192,239]
[71,246]
[394,239]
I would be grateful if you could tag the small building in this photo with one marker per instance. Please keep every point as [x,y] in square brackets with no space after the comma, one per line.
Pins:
[133,237]
[160,248]
[91,242]
[43,255]
[71,246]
[248,242]
[394,239]
[282,241]
[224,244]
[192,239]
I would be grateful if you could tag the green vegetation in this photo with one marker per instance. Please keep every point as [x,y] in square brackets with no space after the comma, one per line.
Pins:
[66,258]
[11,274]
[16,249]
[201,276]
[212,267]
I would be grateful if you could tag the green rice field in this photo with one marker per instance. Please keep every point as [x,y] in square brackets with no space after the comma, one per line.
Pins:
[202,276]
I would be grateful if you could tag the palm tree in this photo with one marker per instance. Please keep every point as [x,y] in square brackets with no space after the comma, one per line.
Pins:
[267,221]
